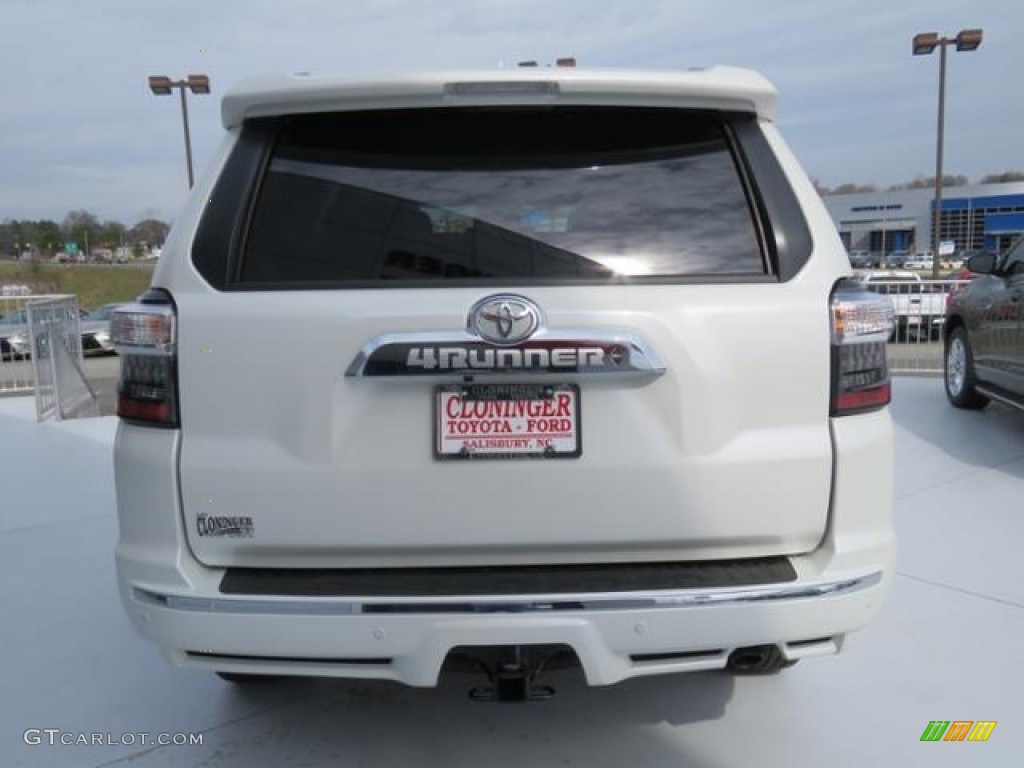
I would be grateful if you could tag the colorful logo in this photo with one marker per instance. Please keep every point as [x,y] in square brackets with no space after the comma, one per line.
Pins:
[958,730]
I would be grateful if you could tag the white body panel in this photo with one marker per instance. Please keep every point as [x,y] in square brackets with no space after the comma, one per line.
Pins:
[730,453]
[154,561]
[331,467]
[722,88]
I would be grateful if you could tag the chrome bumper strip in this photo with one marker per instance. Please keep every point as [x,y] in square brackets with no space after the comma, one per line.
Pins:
[329,606]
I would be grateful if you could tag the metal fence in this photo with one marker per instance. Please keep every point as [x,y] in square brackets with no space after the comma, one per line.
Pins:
[916,345]
[16,375]
[41,353]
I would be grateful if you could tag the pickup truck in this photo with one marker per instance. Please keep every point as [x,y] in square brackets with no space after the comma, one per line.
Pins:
[919,307]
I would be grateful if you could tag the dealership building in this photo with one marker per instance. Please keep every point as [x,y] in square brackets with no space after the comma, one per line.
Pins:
[980,217]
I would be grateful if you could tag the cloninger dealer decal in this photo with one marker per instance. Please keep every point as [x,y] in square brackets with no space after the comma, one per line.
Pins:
[230,526]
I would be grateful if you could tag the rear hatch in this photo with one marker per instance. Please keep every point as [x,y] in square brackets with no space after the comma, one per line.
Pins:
[506,335]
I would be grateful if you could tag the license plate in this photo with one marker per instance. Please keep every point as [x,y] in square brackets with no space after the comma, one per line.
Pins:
[507,421]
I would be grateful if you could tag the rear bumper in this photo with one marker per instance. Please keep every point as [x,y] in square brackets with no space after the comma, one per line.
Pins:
[178,603]
[615,637]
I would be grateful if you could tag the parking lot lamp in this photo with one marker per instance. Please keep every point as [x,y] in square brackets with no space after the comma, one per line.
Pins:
[198,84]
[924,44]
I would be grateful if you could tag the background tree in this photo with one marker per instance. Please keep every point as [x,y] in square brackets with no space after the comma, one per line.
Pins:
[24,236]
[1003,178]
[928,182]
[152,232]
[849,188]
[821,188]
[111,234]
[11,237]
[81,227]
[48,236]
[45,237]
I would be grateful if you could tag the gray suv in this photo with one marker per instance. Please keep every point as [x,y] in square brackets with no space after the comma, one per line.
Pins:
[985,333]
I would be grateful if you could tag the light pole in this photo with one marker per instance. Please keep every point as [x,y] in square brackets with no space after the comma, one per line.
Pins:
[198,84]
[925,43]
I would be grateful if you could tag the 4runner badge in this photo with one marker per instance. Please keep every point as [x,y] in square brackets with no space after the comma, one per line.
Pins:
[505,335]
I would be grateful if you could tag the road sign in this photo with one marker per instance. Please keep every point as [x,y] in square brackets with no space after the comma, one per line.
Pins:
[71,249]
[947,248]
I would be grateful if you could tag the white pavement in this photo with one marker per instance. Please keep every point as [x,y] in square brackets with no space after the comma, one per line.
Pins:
[946,647]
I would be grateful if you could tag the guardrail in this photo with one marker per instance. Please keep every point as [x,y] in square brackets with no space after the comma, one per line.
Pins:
[41,354]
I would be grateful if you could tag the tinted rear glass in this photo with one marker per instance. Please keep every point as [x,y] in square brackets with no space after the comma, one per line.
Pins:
[501,194]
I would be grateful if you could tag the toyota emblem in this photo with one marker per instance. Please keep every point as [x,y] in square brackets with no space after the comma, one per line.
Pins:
[504,319]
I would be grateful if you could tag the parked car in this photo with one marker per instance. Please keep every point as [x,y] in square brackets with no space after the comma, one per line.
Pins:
[919,310]
[959,260]
[860,259]
[8,327]
[16,345]
[20,316]
[104,312]
[96,337]
[984,339]
[13,335]
[964,274]
[535,406]
[920,260]
[894,260]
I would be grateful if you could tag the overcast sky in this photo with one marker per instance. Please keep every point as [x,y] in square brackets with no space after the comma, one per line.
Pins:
[80,128]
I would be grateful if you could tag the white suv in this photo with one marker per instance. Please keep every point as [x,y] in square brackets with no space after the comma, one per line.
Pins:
[920,260]
[506,365]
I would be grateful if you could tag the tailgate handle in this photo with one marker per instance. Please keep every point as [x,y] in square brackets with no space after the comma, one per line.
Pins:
[609,354]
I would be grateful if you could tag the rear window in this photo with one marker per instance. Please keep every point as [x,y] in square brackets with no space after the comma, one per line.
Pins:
[444,195]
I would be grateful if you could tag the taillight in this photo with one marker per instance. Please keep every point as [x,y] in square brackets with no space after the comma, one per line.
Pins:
[861,324]
[145,336]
